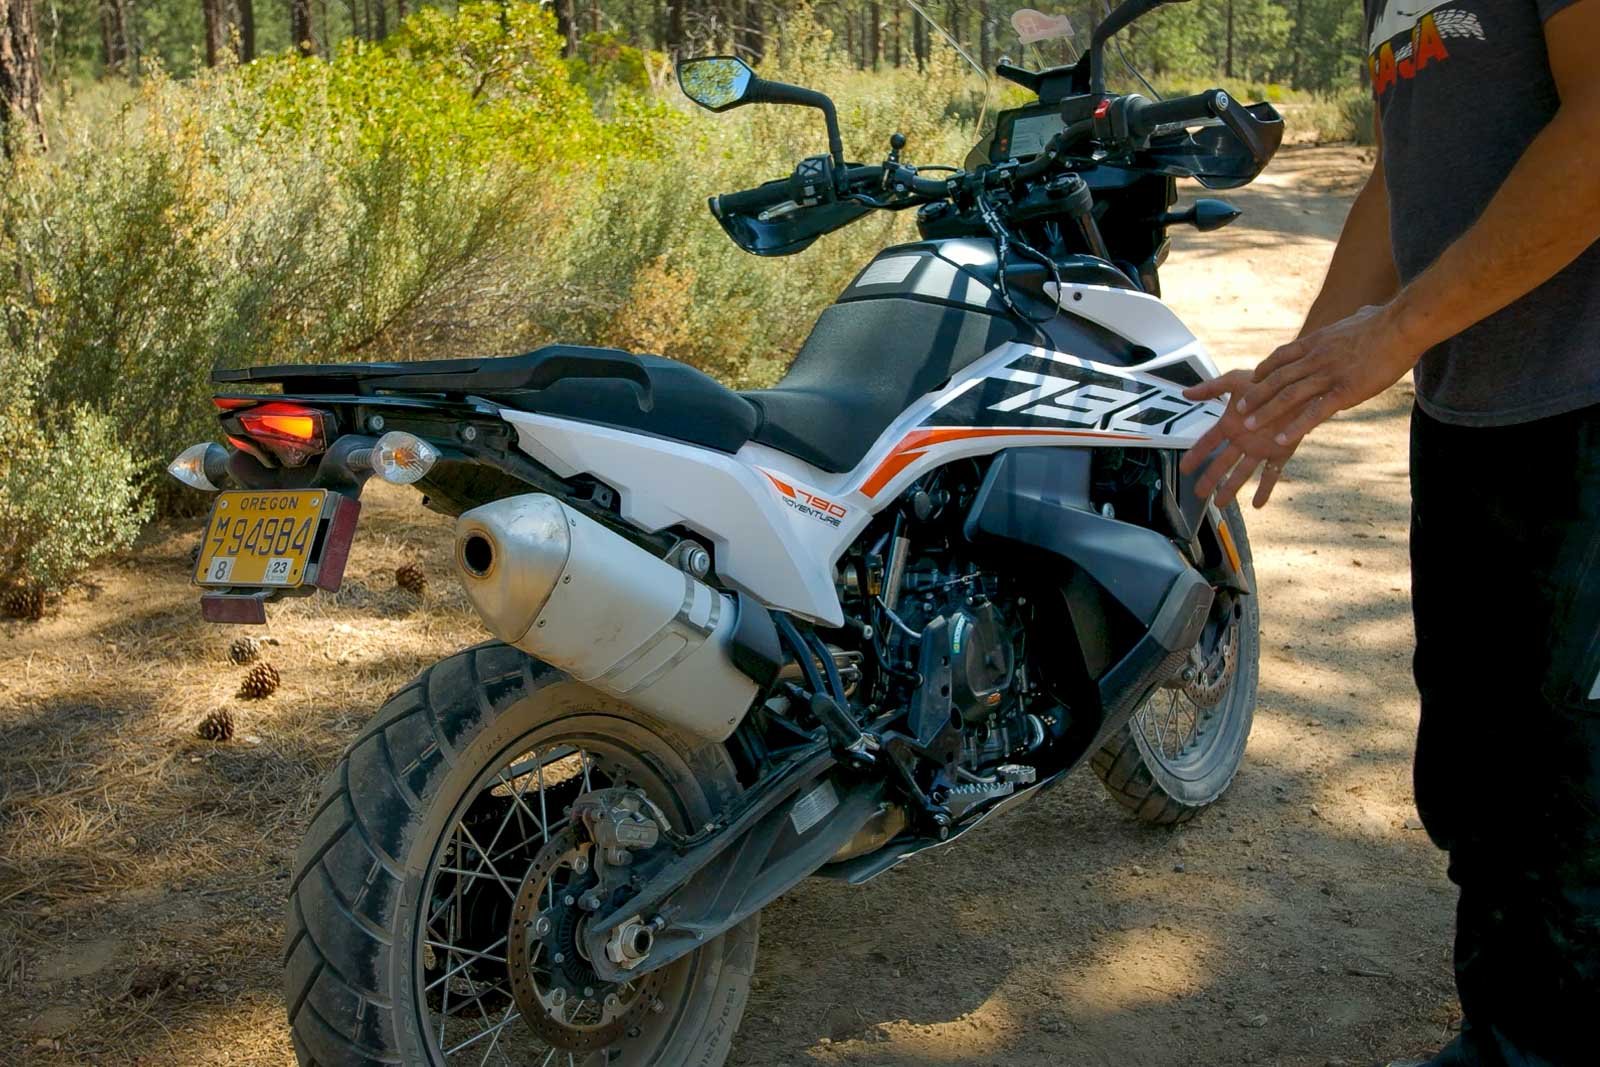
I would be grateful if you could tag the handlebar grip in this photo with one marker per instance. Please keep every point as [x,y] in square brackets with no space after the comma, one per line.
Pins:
[1148,115]
[751,201]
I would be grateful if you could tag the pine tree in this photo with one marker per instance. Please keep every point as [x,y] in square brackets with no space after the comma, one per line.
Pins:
[19,73]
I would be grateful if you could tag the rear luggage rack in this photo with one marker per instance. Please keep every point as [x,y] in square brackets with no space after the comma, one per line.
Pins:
[539,369]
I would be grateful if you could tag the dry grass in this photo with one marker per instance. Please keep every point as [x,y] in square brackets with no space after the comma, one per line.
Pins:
[142,869]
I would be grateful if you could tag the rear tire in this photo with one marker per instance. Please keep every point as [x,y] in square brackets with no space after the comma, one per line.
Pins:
[363,906]
[1170,784]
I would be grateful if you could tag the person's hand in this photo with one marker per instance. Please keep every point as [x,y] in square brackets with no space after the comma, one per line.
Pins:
[1235,460]
[1292,392]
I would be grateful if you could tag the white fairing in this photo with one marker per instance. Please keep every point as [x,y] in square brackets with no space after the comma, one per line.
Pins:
[778,525]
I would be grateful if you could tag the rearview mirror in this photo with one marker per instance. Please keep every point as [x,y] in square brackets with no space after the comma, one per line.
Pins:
[716,83]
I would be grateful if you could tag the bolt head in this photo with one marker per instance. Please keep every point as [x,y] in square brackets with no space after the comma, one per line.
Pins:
[559,957]
[541,928]
[569,900]
[375,423]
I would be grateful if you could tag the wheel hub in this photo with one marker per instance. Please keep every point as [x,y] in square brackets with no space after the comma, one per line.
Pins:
[556,989]
[1208,672]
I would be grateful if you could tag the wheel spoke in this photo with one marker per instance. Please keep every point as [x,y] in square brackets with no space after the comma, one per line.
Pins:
[459,951]
[512,1015]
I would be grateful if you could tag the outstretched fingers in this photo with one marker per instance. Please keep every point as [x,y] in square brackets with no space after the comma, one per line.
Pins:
[1218,470]
[1313,415]
[1288,403]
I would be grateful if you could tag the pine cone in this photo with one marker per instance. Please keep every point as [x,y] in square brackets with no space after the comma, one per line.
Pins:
[409,577]
[244,650]
[23,602]
[261,682]
[216,726]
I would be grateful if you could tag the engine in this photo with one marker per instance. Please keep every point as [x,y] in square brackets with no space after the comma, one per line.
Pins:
[988,682]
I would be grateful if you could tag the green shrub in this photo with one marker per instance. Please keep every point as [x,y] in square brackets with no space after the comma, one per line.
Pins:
[458,189]
[1361,115]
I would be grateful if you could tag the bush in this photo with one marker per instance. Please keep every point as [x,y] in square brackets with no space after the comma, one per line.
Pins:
[455,190]
[1361,114]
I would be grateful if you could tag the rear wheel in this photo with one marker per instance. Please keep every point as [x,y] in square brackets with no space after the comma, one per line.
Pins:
[432,918]
[1182,748]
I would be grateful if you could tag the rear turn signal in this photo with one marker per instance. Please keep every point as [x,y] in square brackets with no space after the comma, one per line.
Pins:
[200,466]
[400,458]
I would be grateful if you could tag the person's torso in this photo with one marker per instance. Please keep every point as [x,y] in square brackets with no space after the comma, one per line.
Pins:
[1462,88]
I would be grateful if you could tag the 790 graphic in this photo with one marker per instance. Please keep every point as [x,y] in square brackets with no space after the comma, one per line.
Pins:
[808,503]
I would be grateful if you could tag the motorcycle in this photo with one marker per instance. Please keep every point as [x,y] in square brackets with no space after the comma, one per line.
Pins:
[746,639]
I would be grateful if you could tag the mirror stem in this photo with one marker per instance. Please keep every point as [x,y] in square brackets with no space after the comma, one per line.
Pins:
[1115,21]
[764,92]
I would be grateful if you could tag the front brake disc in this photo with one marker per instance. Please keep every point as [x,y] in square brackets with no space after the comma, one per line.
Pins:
[1207,677]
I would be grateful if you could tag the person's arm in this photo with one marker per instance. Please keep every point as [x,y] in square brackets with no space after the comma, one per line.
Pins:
[1546,213]
[1361,273]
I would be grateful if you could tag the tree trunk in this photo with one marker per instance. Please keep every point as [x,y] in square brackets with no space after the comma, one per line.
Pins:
[567,25]
[895,31]
[116,46]
[323,43]
[755,31]
[1296,44]
[400,10]
[247,30]
[1228,65]
[595,16]
[875,12]
[19,73]
[216,30]
[300,27]
[675,29]
[380,15]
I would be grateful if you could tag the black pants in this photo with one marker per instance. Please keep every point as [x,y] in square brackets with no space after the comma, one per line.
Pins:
[1505,559]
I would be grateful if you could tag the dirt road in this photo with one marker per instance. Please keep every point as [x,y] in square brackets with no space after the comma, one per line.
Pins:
[1300,922]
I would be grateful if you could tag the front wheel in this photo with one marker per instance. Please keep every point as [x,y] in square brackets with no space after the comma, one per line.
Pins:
[1182,748]
[431,917]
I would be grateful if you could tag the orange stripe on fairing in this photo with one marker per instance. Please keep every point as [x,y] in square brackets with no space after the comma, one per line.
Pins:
[783,487]
[915,444]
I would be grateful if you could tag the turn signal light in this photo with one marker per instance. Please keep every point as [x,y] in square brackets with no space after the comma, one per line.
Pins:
[401,458]
[200,466]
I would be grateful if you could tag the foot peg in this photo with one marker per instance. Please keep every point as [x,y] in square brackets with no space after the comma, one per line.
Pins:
[963,798]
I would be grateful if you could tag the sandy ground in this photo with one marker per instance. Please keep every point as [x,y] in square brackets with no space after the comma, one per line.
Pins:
[1302,921]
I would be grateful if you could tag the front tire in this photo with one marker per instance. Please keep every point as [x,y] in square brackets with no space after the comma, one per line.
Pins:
[1170,763]
[396,904]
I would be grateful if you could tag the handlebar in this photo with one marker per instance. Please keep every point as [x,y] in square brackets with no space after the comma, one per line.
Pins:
[1146,116]
[752,201]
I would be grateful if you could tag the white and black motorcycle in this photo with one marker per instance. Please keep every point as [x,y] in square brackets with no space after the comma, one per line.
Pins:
[745,639]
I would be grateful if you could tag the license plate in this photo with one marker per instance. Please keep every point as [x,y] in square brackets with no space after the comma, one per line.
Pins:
[272,538]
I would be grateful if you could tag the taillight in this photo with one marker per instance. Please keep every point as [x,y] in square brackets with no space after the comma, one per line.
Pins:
[292,432]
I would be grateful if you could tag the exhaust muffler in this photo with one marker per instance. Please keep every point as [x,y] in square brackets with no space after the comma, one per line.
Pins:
[558,585]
